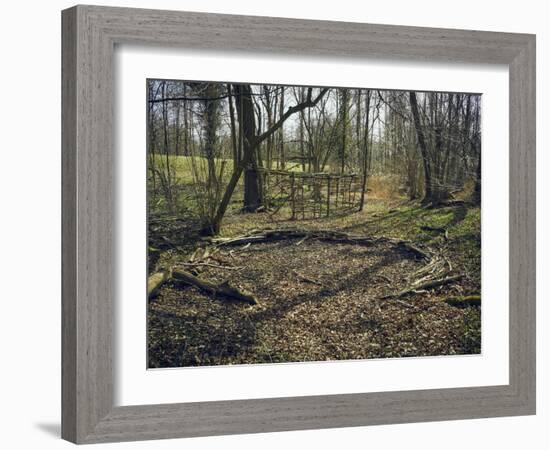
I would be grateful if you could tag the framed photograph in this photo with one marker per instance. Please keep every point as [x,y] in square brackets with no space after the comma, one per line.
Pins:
[277,224]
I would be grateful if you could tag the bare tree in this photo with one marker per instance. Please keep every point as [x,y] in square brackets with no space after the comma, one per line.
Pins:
[365,153]
[252,141]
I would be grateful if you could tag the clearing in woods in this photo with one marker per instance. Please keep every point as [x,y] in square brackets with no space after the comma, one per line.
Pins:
[320,300]
[295,223]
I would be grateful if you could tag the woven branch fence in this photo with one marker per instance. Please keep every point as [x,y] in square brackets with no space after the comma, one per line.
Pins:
[305,195]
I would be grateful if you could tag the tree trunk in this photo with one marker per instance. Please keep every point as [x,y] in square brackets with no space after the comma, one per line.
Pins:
[282,162]
[252,193]
[476,144]
[223,289]
[186,150]
[423,149]
[477,189]
[211,119]
[344,118]
[302,121]
[252,197]
[233,128]
[156,280]
[168,172]
[365,151]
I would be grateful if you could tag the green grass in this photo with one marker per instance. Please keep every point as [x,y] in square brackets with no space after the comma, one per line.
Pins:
[184,323]
[394,217]
[182,165]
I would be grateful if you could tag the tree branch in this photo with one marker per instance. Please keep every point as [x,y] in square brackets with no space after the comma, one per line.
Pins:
[294,109]
[196,99]
[190,99]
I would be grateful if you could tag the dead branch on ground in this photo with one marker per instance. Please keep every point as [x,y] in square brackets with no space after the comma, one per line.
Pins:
[224,289]
[424,286]
[321,235]
[155,281]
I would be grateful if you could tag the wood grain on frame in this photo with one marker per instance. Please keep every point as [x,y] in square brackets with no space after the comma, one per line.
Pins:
[89,36]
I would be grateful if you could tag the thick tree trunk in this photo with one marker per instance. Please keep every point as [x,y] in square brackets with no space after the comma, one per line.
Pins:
[252,196]
[156,280]
[252,193]
[423,149]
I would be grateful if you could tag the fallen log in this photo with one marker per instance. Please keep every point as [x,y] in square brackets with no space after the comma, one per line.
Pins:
[321,235]
[464,302]
[155,281]
[223,289]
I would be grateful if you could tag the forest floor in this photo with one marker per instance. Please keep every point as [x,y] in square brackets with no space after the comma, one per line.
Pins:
[319,300]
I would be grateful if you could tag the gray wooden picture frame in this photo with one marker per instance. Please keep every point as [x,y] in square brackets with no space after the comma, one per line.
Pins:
[89,36]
